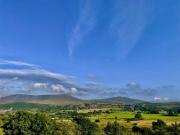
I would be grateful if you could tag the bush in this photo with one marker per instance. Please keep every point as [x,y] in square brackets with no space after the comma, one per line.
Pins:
[138,116]
[87,127]
[172,113]
[143,131]
[26,123]
[158,125]
[136,129]
[113,129]
[97,120]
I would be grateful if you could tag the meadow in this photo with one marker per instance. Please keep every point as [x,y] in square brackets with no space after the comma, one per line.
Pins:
[124,118]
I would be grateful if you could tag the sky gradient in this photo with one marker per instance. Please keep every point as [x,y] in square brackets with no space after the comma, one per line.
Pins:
[115,48]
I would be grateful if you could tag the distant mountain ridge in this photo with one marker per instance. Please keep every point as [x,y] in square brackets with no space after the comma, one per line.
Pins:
[42,99]
[63,99]
[124,100]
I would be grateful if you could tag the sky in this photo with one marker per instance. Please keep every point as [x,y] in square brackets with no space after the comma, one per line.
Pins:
[91,48]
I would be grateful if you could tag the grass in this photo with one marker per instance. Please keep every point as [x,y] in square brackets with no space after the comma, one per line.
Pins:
[160,116]
[123,116]
[129,115]
[1,131]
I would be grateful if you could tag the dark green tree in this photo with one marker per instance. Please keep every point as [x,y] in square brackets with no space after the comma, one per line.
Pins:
[113,129]
[138,116]
[87,127]
[42,125]
[26,123]
[20,123]
[171,113]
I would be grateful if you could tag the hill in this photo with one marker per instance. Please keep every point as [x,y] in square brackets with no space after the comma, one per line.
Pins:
[123,100]
[41,99]
[63,99]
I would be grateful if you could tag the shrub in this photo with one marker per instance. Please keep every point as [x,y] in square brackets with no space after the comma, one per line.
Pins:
[136,129]
[158,125]
[97,120]
[26,123]
[143,131]
[171,113]
[138,116]
[87,127]
[113,129]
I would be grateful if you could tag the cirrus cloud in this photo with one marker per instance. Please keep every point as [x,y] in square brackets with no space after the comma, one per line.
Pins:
[17,63]
[84,25]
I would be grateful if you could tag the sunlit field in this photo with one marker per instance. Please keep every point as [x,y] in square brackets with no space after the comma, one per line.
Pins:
[122,118]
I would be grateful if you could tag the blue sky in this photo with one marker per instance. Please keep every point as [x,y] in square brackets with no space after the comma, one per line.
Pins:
[105,43]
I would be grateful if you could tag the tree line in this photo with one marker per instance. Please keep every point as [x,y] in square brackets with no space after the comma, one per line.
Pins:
[29,123]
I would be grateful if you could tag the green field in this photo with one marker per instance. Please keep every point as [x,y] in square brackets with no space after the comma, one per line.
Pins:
[122,118]
[127,115]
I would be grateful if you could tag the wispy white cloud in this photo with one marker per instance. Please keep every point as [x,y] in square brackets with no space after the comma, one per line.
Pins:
[84,25]
[128,24]
[17,63]
[32,80]
[37,72]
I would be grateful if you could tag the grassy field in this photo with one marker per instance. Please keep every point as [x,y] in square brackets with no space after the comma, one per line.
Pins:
[123,116]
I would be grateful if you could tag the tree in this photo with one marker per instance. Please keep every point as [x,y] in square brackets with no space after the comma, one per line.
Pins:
[171,113]
[113,129]
[18,123]
[41,124]
[87,127]
[26,123]
[138,116]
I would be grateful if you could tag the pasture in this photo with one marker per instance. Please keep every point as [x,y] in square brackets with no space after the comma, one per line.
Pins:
[124,118]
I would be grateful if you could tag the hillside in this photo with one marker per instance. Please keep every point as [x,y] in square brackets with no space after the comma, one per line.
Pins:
[63,99]
[41,99]
[123,100]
